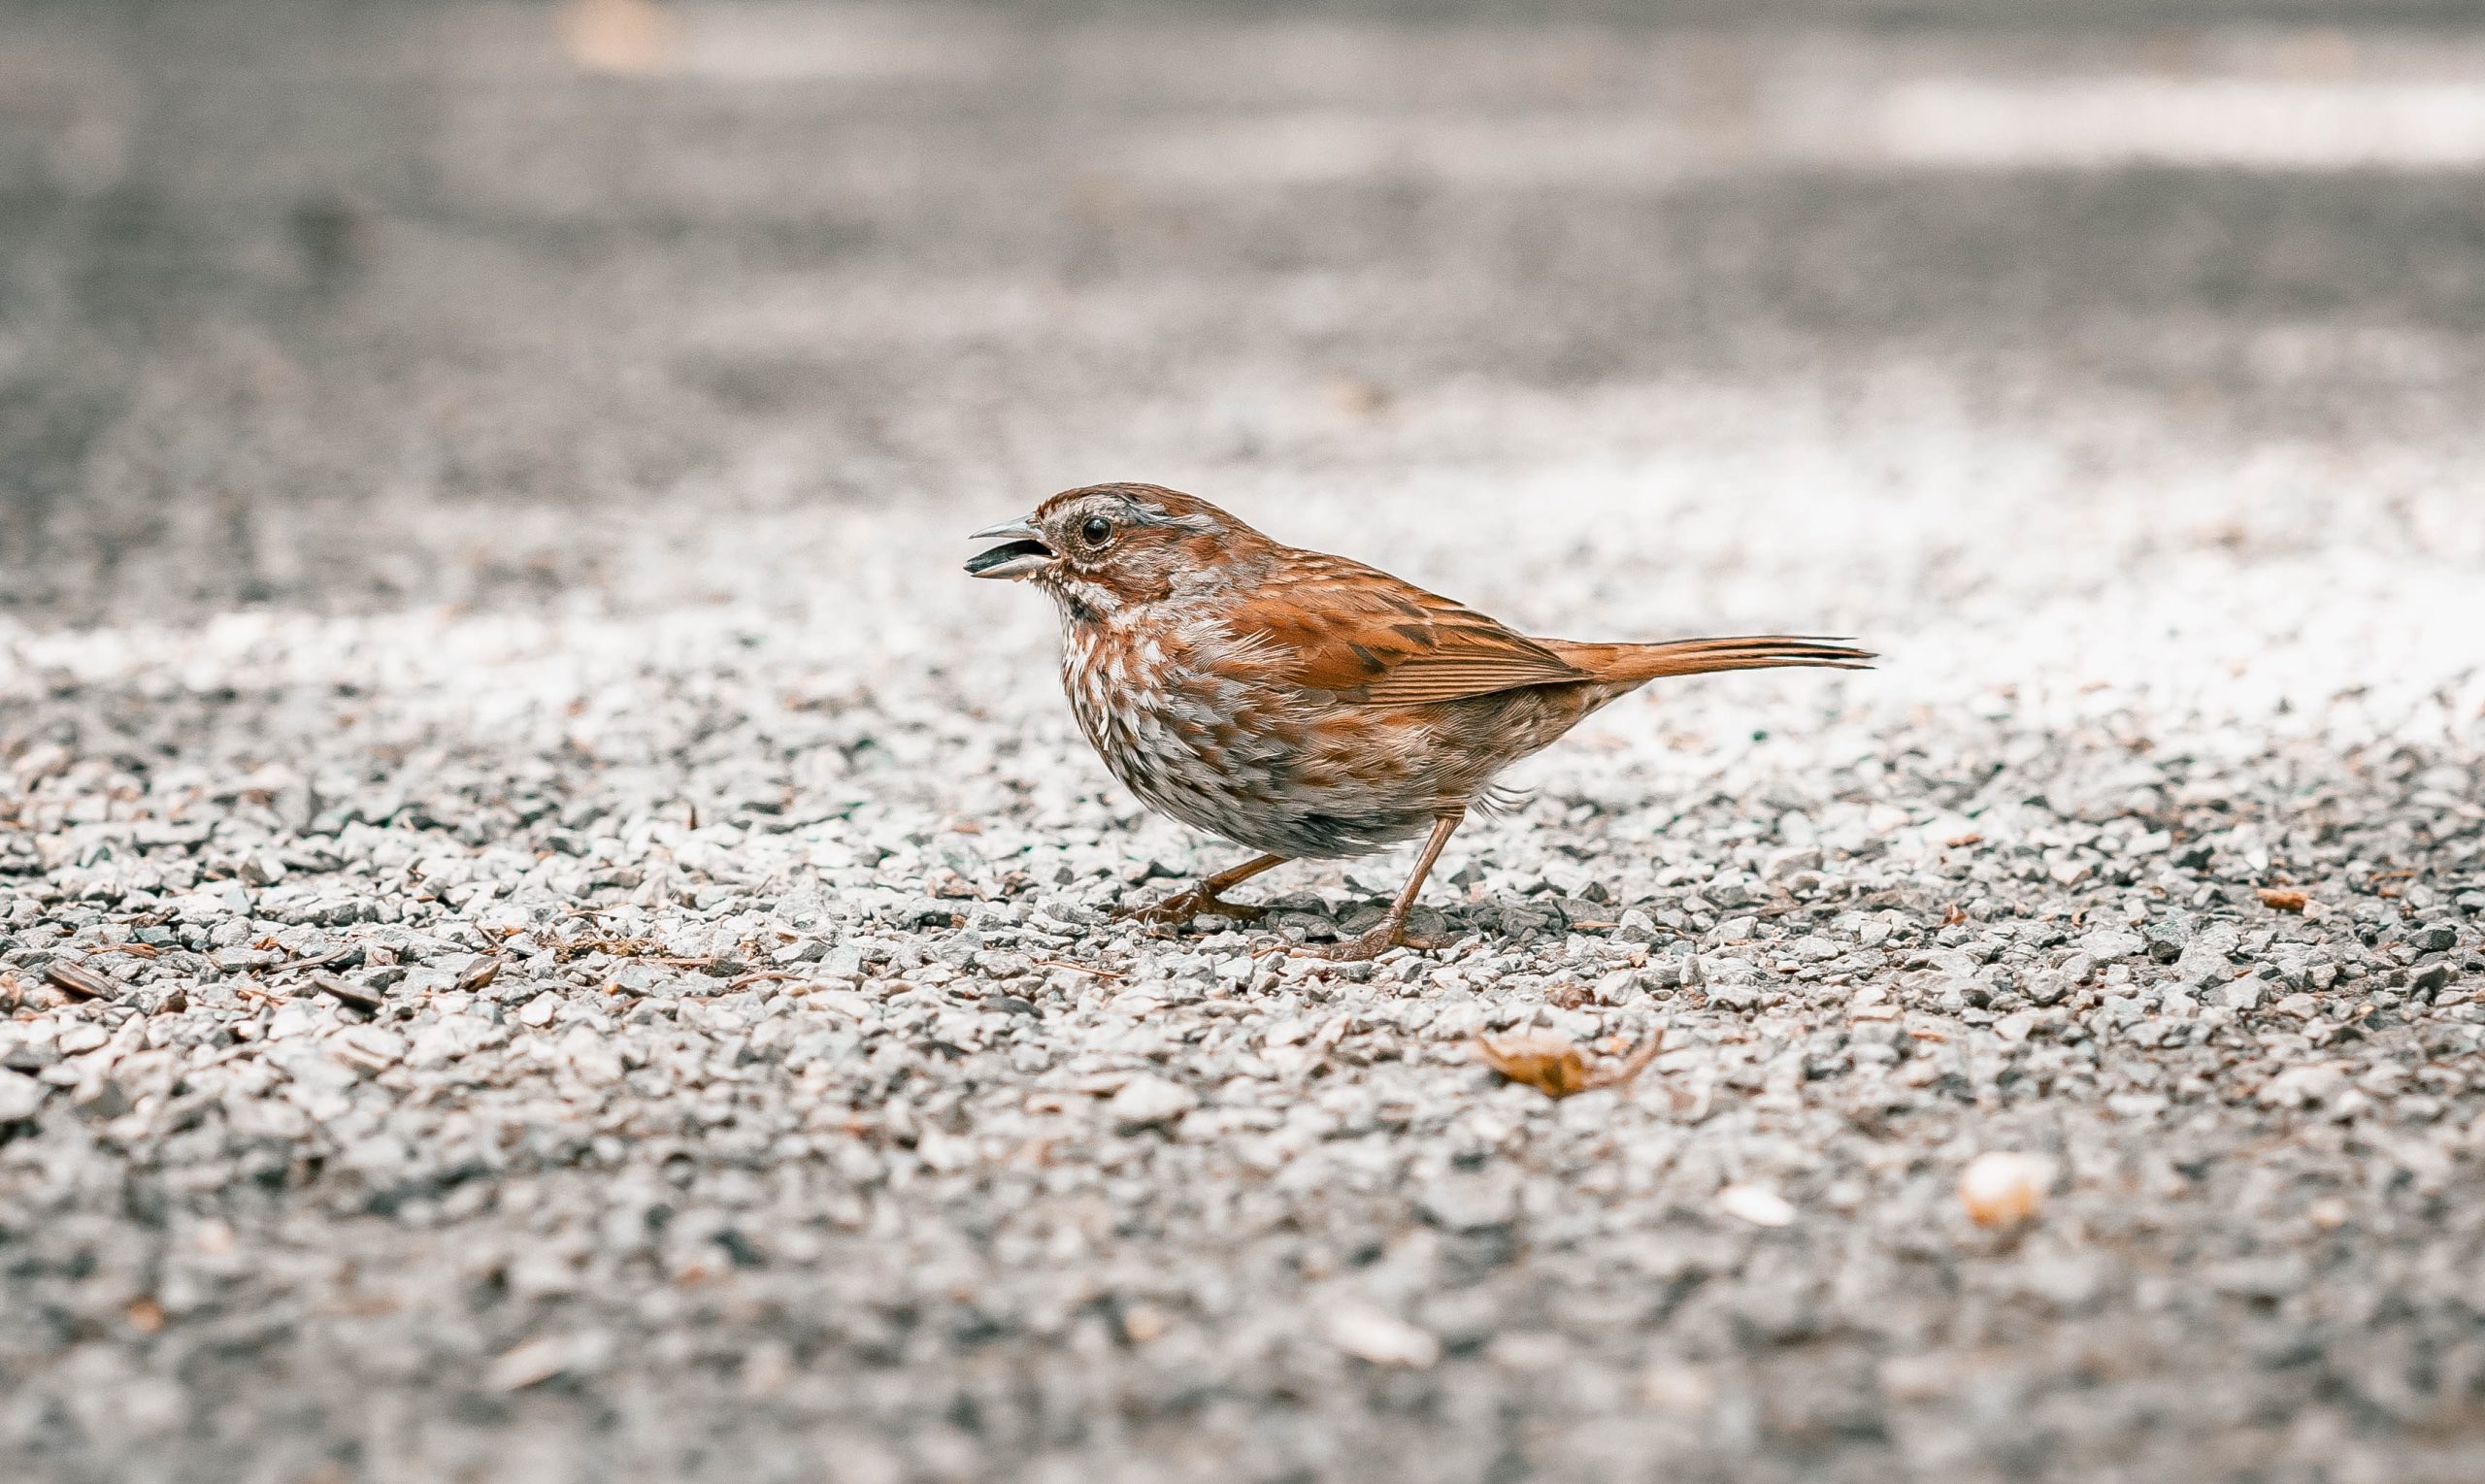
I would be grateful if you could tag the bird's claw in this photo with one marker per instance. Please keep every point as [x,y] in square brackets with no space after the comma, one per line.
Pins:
[1367,947]
[1182,906]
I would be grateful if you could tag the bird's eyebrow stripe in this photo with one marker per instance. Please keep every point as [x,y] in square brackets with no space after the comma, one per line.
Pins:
[1154,517]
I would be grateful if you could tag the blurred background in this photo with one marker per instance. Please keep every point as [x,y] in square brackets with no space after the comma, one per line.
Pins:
[356,305]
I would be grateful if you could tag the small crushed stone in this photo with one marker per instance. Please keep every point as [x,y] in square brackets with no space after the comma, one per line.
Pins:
[757,1083]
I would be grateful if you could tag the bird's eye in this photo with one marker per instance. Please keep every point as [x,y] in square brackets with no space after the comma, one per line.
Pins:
[1096,531]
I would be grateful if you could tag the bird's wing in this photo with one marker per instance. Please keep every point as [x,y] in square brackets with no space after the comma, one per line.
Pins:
[1329,624]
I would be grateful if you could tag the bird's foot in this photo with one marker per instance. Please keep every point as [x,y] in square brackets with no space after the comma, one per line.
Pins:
[1366,946]
[1183,906]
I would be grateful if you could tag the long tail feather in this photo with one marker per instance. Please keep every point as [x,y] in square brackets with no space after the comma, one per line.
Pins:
[1706,657]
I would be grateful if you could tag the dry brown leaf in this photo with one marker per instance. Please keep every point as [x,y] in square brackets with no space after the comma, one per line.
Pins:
[2284,900]
[1557,1068]
[1548,1064]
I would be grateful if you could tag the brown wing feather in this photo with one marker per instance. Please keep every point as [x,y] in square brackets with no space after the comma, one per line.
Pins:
[1334,625]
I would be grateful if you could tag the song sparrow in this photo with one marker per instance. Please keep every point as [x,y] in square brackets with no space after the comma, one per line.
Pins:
[1300,704]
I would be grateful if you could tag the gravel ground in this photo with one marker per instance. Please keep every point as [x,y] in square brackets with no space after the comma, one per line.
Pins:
[737,1073]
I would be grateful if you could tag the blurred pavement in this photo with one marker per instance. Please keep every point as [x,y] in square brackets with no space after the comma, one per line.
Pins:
[359,305]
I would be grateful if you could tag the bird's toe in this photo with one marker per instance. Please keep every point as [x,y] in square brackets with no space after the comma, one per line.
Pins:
[1180,908]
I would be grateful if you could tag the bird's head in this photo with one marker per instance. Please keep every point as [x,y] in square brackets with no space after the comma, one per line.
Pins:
[1106,547]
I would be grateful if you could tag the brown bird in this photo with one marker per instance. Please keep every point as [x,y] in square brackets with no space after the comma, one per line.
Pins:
[1304,705]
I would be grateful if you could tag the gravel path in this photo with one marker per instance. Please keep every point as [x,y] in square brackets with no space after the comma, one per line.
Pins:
[736,1074]
[756,1086]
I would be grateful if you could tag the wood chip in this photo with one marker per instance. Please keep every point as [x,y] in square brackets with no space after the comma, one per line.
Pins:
[1086,968]
[361,996]
[765,977]
[80,981]
[2284,900]
[334,959]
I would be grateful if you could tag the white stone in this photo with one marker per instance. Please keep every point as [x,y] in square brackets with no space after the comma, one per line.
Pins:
[20,1095]
[1148,1099]
[1757,1204]
[1383,1339]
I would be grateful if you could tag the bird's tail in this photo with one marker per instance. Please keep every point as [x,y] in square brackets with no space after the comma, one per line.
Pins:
[1632,663]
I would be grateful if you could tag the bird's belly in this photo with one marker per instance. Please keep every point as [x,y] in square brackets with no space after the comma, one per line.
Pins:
[1269,771]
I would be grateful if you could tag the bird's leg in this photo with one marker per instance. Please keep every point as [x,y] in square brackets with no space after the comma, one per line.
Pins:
[1391,930]
[1206,896]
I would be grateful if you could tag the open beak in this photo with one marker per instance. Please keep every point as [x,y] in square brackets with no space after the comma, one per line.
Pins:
[1021,552]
